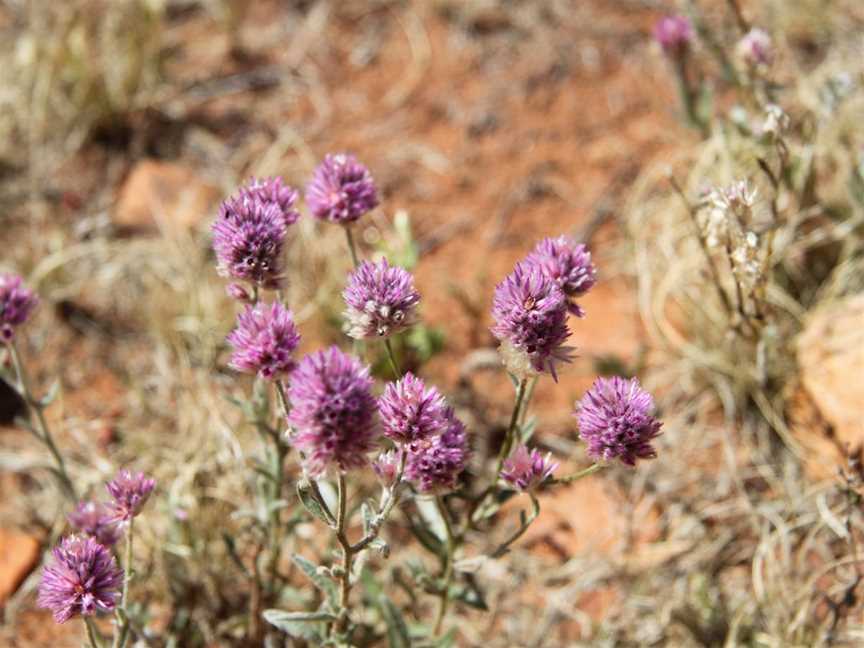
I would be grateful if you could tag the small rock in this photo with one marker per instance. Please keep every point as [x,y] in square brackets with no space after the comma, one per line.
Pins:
[830,354]
[162,196]
[19,554]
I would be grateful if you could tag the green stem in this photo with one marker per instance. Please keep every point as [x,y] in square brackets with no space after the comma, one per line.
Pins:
[92,633]
[523,527]
[121,636]
[507,446]
[569,479]
[447,576]
[44,433]
[392,358]
[282,398]
[351,247]
[347,555]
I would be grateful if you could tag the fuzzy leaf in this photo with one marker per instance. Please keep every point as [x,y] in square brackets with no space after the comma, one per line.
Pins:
[321,581]
[304,625]
[48,398]
[307,498]
[397,630]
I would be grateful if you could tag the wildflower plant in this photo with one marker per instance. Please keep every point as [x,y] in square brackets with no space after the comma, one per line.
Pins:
[328,427]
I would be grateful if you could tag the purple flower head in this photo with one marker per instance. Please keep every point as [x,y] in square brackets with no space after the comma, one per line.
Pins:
[530,312]
[675,34]
[756,48]
[83,578]
[615,421]
[436,463]
[264,341]
[248,238]
[341,190]
[569,265]
[386,466]
[411,411]
[381,300]
[525,470]
[16,303]
[129,492]
[333,411]
[273,191]
[96,520]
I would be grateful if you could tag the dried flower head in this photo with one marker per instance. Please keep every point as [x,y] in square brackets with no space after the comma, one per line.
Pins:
[83,579]
[776,122]
[616,421]
[524,470]
[264,341]
[386,466]
[674,34]
[129,492]
[530,312]
[341,190]
[381,300]
[273,191]
[436,463]
[411,411]
[333,411]
[569,265]
[248,238]
[96,520]
[755,49]
[16,304]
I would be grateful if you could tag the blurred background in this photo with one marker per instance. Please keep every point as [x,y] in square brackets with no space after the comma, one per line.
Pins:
[487,124]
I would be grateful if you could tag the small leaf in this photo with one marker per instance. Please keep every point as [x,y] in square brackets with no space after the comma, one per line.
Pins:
[321,582]
[307,498]
[367,511]
[470,596]
[397,630]
[48,398]
[304,625]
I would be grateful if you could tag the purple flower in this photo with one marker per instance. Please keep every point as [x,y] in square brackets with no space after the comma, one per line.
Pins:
[756,48]
[264,341]
[83,579]
[248,238]
[129,492]
[525,470]
[273,191]
[16,303]
[410,411]
[569,265]
[381,300]
[386,466]
[530,312]
[436,463]
[674,33]
[341,190]
[615,421]
[96,520]
[333,411]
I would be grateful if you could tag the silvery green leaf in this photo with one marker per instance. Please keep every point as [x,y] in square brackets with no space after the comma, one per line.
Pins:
[307,498]
[303,625]
[49,397]
[321,581]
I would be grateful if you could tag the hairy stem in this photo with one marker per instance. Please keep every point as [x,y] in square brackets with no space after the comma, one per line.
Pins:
[123,612]
[92,633]
[44,432]
[507,446]
[349,236]
[523,527]
[447,576]
[397,373]
[569,479]
[347,555]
